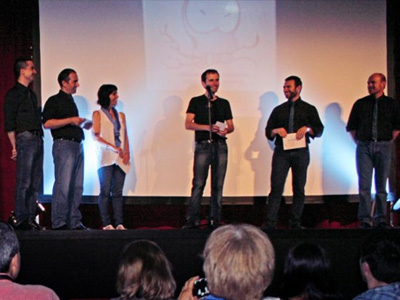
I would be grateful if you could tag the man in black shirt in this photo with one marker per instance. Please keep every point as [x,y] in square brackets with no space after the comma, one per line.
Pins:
[61,115]
[211,119]
[301,119]
[374,123]
[23,125]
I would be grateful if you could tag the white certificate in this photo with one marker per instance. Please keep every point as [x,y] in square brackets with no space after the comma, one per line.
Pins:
[290,142]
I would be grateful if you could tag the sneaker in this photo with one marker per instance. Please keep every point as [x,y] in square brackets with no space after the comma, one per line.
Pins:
[120,227]
[108,227]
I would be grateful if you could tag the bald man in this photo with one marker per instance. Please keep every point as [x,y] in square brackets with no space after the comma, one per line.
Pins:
[374,123]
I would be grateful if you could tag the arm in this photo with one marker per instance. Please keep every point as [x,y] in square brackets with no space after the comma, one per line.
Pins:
[127,156]
[395,134]
[96,134]
[191,125]
[315,127]
[353,134]
[11,137]
[58,123]
[273,127]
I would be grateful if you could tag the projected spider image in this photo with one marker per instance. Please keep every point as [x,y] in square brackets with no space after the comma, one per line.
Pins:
[213,29]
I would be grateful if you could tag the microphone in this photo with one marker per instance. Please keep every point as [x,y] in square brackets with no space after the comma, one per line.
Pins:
[210,93]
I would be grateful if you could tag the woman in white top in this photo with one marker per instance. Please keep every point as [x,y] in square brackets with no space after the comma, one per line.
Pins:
[109,130]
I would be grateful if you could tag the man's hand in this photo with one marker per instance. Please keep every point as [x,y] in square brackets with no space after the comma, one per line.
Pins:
[301,132]
[77,121]
[280,131]
[14,154]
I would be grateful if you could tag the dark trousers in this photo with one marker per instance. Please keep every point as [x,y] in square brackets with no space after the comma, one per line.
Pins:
[208,154]
[373,156]
[112,180]
[298,160]
[29,175]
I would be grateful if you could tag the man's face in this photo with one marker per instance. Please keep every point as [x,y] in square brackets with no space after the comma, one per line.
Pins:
[375,85]
[72,84]
[29,71]
[212,80]
[290,90]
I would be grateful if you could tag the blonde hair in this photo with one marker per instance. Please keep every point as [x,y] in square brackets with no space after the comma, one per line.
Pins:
[144,271]
[239,262]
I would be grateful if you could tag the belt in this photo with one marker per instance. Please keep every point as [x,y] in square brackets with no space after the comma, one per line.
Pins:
[72,139]
[33,132]
[36,132]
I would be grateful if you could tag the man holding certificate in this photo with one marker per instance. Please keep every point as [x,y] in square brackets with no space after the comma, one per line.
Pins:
[291,124]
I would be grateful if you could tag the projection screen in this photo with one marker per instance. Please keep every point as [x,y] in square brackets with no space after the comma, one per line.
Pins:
[155,52]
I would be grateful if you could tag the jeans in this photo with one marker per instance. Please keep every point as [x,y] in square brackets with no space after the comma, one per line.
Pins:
[298,160]
[208,154]
[29,175]
[112,180]
[373,156]
[68,186]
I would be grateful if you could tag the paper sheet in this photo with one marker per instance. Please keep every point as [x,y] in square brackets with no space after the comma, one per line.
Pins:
[290,142]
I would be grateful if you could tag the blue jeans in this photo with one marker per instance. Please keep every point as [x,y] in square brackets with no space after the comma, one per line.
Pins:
[373,156]
[68,186]
[208,154]
[29,175]
[112,180]
[298,160]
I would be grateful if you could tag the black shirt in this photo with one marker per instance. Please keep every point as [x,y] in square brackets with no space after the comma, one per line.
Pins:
[22,110]
[62,106]
[360,118]
[305,114]
[220,111]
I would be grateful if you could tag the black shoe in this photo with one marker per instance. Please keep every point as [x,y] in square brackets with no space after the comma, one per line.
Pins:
[64,227]
[383,225]
[365,225]
[190,225]
[296,226]
[80,227]
[24,225]
[34,225]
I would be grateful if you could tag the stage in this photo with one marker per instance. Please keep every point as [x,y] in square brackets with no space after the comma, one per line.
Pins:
[83,264]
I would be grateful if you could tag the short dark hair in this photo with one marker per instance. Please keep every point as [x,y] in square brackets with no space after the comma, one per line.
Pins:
[20,63]
[383,258]
[103,95]
[206,72]
[296,79]
[64,75]
[307,273]
[145,271]
[9,246]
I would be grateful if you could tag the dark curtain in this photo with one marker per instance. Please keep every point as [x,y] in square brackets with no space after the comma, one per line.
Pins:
[19,24]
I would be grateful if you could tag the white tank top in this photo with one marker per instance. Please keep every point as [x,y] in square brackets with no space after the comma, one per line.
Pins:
[106,155]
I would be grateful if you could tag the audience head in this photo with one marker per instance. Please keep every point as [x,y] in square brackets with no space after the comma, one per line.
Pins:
[238,262]
[307,274]
[144,271]
[380,261]
[103,95]
[9,250]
